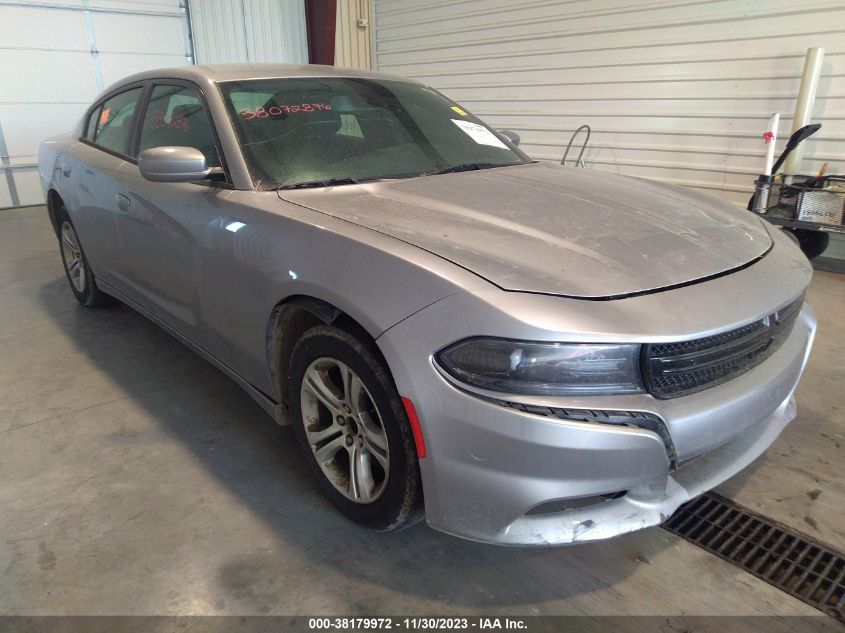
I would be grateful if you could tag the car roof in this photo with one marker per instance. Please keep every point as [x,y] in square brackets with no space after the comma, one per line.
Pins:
[240,72]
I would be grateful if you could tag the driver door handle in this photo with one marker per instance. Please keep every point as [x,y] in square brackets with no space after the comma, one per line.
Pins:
[122,202]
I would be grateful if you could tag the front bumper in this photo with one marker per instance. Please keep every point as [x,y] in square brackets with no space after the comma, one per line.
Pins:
[490,468]
[647,504]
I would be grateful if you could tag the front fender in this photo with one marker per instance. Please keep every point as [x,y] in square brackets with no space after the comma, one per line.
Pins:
[280,250]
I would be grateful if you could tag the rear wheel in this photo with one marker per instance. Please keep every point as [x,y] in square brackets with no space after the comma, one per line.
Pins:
[79,275]
[353,429]
[813,243]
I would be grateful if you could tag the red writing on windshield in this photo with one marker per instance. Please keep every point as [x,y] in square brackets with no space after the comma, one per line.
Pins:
[281,110]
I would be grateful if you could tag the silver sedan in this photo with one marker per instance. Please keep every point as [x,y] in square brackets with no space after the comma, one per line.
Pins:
[522,353]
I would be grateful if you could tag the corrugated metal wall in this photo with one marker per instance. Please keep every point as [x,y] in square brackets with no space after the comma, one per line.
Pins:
[352,48]
[231,31]
[54,59]
[674,90]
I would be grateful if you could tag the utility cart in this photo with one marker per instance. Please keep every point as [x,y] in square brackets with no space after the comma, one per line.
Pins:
[810,207]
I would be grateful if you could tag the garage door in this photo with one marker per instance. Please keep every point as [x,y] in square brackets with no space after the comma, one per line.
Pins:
[675,91]
[55,57]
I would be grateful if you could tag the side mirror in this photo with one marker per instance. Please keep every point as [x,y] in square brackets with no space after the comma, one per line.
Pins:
[173,164]
[512,136]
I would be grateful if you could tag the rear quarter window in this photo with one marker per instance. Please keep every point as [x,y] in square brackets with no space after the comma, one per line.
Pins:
[91,124]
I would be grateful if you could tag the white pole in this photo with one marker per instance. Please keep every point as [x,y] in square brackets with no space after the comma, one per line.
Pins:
[804,105]
[761,199]
[770,137]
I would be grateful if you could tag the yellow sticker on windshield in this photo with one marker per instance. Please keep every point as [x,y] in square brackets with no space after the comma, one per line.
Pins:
[459,111]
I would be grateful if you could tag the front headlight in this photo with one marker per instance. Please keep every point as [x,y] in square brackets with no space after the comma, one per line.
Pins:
[549,369]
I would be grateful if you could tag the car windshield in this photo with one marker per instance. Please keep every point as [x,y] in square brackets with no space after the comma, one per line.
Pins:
[311,132]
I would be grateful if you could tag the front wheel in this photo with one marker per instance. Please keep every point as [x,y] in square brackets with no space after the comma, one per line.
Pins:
[353,429]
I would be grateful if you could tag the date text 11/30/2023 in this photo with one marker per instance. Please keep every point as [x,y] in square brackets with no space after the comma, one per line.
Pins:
[417,623]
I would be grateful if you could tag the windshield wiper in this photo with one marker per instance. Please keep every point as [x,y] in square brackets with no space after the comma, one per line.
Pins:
[466,167]
[332,182]
[328,182]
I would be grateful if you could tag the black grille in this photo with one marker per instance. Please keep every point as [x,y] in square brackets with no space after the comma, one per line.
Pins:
[672,370]
[783,557]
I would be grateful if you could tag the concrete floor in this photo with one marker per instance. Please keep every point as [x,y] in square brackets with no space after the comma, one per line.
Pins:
[137,479]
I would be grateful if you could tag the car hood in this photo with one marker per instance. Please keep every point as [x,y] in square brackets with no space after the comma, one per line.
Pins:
[556,230]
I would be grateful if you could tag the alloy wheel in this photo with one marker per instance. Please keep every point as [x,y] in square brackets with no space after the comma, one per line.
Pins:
[72,254]
[345,430]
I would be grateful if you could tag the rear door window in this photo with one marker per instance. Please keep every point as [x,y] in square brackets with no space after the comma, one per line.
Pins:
[112,123]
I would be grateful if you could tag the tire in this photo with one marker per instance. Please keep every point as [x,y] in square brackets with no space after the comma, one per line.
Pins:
[813,243]
[358,420]
[79,276]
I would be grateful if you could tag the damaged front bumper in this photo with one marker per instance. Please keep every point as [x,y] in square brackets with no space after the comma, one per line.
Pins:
[649,505]
[501,475]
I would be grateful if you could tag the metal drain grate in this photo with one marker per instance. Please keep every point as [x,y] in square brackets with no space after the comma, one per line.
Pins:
[784,558]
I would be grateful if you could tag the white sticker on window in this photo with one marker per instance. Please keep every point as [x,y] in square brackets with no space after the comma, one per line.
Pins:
[479,133]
